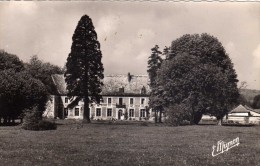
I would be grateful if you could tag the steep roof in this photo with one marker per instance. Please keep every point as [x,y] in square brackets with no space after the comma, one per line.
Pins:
[240,109]
[59,82]
[114,85]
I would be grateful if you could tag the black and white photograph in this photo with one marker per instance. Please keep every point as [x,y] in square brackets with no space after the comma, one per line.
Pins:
[132,83]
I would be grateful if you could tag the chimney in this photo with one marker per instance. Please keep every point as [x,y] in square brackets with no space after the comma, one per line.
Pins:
[129,77]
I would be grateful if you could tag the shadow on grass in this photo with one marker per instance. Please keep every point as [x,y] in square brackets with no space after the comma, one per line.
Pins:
[10,124]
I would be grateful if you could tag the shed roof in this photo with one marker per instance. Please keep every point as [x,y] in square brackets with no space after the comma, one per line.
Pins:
[240,109]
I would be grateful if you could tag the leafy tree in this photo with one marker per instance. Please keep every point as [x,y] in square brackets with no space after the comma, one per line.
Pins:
[10,61]
[256,102]
[154,63]
[19,91]
[198,73]
[84,69]
[43,71]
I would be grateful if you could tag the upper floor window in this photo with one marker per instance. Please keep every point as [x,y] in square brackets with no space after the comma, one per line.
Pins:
[143,90]
[109,101]
[121,90]
[120,101]
[66,100]
[131,101]
[142,101]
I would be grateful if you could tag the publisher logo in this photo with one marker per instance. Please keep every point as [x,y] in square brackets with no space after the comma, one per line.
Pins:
[222,146]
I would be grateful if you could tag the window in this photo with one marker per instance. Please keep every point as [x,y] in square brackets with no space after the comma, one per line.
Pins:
[98,112]
[142,101]
[66,100]
[76,111]
[65,112]
[109,101]
[120,101]
[109,112]
[143,90]
[131,101]
[142,113]
[131,112]
[121,90]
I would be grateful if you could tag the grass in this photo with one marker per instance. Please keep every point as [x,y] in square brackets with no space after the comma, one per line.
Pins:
[127,144]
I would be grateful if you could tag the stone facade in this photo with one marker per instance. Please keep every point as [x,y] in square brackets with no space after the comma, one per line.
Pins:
[125,97]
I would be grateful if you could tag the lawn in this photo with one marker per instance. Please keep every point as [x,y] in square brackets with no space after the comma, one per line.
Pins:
[127,144]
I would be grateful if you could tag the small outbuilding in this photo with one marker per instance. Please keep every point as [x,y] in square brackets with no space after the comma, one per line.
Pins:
[242,115]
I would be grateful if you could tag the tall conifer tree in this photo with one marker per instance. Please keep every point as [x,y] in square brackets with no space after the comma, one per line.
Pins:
[84,69]
[154,63]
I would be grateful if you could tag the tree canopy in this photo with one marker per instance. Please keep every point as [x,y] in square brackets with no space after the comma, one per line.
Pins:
[256,102]
[10,61]
[19,91]
[154,63]
[23,85]
[43,71]
[84,69]
[198,73]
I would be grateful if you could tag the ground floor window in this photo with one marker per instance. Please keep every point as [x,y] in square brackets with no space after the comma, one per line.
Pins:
[98,112]
[65,112]
[142,113]
[76,111]
[109,112]
[131,112]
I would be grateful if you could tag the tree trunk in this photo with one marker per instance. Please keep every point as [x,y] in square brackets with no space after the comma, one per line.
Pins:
[155,114]
[86,113]
[220,122]
[5,120]
[192,117]
[160,116]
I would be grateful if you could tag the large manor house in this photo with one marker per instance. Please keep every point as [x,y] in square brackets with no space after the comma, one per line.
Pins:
[125,97]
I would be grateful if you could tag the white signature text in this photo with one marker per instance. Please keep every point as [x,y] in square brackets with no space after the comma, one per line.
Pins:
[224,146]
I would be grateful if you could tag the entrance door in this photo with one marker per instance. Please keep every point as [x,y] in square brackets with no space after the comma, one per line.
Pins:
[119,114]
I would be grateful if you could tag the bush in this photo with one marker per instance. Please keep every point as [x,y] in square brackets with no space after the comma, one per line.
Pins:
[33,121]
[144,124]
[47,125]
[177,115]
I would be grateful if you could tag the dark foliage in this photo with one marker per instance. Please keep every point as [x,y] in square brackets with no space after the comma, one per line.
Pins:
[33,121]
[199,74]
[43,71]
[47,125]
[19,91]
[256,102]
[154,64]
[84,69]
[10,61]
[242,100]
[177,114]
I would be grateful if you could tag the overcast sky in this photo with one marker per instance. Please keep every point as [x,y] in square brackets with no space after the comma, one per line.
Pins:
[128,30]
